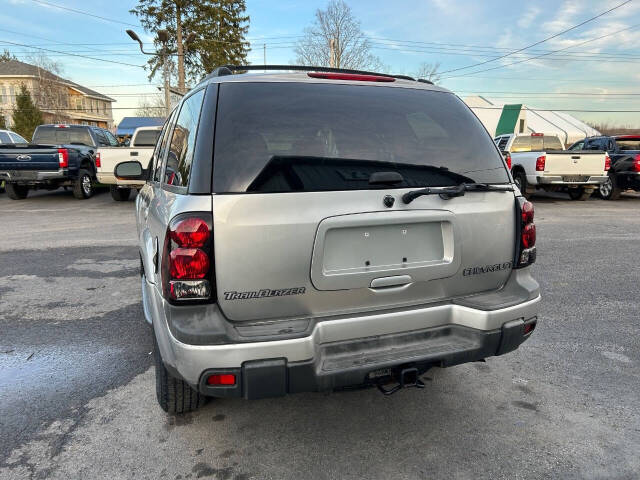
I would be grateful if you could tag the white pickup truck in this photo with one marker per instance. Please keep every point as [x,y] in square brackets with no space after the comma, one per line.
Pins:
[540,162]
[140,149]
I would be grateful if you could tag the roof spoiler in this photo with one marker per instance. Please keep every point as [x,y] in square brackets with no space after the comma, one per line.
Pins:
[231,69]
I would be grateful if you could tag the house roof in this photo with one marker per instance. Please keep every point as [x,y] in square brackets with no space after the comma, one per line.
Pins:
[14,68]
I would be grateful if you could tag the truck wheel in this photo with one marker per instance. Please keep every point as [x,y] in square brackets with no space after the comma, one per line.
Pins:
[83,185]
[520,179]
[17,192]
[580,193]
[609,190]
[174,395]
[119,194]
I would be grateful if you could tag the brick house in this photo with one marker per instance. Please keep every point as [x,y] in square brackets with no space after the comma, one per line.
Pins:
[61,101]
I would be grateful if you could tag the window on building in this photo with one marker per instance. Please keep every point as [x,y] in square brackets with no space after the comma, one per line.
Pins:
[3,94]
[12,97]
[78,103]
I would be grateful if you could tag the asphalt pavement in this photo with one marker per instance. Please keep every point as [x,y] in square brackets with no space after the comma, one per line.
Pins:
[77,391]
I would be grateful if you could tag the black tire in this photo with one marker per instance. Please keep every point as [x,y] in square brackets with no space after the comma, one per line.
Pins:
[174,395]
[580,193]
[520,179]
[610,190]
[119,194]
[16,192]
[83,185]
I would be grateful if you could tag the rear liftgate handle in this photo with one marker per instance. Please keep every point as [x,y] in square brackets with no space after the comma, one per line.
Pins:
[393,283]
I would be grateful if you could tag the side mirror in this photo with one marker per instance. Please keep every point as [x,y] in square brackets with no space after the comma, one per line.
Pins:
[129,171]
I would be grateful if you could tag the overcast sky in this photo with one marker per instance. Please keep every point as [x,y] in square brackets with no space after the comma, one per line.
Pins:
[454,33]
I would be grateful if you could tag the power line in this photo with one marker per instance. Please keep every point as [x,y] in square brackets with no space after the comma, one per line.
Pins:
[72,54]
[546,54]
[81,12]
[540,41]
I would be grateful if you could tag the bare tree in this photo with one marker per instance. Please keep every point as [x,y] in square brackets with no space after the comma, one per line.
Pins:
[49,92]
[153,107]
[335,39]
[429,71]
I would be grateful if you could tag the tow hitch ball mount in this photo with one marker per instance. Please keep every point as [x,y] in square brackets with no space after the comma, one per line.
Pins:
[408,377]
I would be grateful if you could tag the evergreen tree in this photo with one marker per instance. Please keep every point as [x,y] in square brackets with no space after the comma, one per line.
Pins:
[7,56]
[220,27]
[26,116]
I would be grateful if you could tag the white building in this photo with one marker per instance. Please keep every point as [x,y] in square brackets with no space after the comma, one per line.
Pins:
[500,118]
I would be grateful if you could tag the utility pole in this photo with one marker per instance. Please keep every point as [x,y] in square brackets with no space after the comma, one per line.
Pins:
[264,50]
[165,74]
[180,46]
[332,52]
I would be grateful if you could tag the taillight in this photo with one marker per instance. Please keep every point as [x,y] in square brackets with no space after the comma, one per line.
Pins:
[63,157]
[187,259]
[607,162]
[540,161]
[507,159]
[526,232]
[98,160]
[537,134]
[636,163]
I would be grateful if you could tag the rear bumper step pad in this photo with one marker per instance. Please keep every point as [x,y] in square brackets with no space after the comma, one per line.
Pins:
[350,363]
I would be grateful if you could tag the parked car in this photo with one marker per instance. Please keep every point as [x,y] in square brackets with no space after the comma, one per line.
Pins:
[624,151]
[340,229]
[9,137]
[540,162]
[141,147]
[59,156]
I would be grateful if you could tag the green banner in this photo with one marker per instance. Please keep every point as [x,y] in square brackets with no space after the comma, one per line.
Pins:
[508,119]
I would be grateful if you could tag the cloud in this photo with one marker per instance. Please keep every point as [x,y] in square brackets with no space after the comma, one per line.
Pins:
[527,19]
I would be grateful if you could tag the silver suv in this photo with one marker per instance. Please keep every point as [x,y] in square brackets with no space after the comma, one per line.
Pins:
[320,229]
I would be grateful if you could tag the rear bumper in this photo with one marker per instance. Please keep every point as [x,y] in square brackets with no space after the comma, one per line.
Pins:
[32,175]
[367,361]
[340,352]
[107,178]
[566,180]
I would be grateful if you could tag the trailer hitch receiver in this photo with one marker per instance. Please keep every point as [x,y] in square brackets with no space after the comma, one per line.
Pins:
[407,377]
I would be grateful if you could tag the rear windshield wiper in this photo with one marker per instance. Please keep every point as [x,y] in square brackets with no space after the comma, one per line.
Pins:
[455,191]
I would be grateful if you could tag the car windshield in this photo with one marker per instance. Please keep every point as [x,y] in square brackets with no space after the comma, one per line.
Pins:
[628,143]
[281,137]
[62,136]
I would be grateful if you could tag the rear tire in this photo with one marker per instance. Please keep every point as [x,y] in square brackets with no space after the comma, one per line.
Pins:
[16,192]
[174,395]
[119,194]
[83,185]
[609,190]
[580,193]
[520,179]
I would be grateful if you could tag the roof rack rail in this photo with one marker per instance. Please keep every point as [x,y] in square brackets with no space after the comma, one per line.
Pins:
[424,80]
[230,69]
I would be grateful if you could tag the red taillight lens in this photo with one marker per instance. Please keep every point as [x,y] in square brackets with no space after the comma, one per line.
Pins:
[351,76]
[526,244]
[527,213]
[98,160]
[636,163]
[607,163]
[63,157]
[188,263]
[190,232]
[537,134]
[508,160]
[540,161]
[529,236]
[221,379]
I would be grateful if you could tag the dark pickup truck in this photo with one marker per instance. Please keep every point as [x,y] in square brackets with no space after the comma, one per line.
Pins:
[624,152]
[59,156]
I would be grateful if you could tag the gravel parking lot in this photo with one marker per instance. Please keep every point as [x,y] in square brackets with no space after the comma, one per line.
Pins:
[77,396]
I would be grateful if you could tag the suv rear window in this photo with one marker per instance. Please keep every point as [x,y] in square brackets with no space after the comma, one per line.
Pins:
[283,137]
[62,136]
